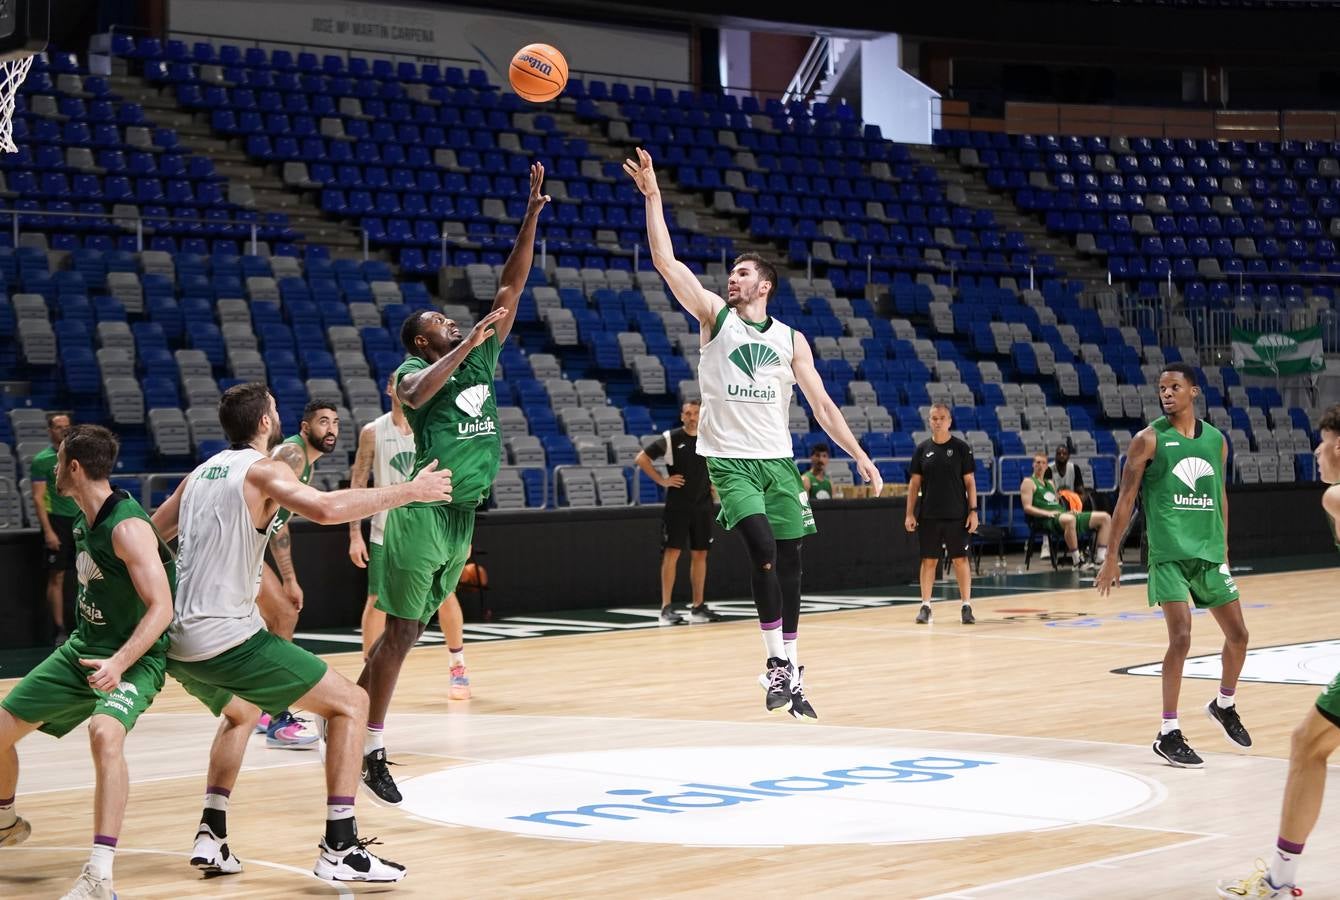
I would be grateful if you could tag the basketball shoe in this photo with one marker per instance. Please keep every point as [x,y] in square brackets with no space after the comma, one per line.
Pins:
[211,854]
[670,617]
[701,615]
[1174,748]
[263,723]
[965,615]
[460,684]
[15,834]
[1257,884]
[1228,719]
[355,863]
[91,887]
[924,615]
[800,704]
[777,685]
[377,779]
[288,732]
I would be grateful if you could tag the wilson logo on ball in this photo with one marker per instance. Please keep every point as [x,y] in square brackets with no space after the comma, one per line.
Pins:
[538,65]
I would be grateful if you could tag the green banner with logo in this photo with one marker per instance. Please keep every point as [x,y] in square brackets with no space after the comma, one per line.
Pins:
[1278,352]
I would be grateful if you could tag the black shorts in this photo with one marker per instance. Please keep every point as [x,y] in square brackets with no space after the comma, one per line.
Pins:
[950,534]
[690,525]
[63,558]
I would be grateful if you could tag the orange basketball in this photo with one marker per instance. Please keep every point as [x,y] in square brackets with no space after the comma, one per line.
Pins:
[538,73]
[474,575]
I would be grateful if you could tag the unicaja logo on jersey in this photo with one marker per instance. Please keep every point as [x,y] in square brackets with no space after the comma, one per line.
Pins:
[87,571]
[1190,471]
[403,462]
[471,400]
[752,358]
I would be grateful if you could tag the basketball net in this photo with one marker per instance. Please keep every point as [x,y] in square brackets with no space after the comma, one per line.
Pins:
[12,73]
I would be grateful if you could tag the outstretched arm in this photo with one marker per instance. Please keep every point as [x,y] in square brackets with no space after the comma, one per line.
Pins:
[701,303]
[1138,457]
[276,481]
[827,414]
[517,268]
[417,388]
[136,543]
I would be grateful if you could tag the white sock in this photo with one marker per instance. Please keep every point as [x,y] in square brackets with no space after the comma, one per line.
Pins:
[772,641]
[7,815]
[1225,700]
[100,860]
[1283,869]
[1100,555]
[1169,725]
[217,801]
[458,657]
[792,652]
[373,739]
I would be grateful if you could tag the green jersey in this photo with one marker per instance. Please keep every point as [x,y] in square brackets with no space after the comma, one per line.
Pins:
[820,488]
[458,426]
[1184,494]
[44,469]
[284,515]
[109,607]
[1045,497]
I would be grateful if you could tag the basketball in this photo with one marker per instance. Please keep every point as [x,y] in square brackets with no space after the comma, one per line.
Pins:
[474,575]
[538,73]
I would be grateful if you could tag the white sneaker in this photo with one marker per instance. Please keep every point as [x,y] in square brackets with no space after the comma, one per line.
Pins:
[91,887]
[212,856]
[1256,885]
[356,864]
[16,833]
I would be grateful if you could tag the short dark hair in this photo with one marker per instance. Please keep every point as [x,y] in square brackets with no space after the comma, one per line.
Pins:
[820,447]
[1185,370]
[53,416]
[313,406]
[766,270]
[241,409]
[1330,420]
[693,403]
[94,448]
[410,329]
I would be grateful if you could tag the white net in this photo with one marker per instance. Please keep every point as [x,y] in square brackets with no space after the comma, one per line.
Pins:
[12,73]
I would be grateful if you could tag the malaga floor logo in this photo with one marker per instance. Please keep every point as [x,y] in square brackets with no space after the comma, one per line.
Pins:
[765,795]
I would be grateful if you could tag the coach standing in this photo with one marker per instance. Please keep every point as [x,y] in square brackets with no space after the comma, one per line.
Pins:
[689,516]
[942,476]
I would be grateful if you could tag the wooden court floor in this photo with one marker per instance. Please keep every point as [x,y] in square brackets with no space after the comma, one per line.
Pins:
[1042,783]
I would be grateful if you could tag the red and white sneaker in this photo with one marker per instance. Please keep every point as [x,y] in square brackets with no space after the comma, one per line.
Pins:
[460,684]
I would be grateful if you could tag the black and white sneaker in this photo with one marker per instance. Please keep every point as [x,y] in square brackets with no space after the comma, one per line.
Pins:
[924,615]
[211,854]
[1173,748]
[701,615]
[377,779]
[1228,719]
[966,616]
[670,617]
[777,684]
[800,704]
[355,864]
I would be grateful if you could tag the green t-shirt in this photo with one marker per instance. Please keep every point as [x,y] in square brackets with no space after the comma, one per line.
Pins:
[1045,497]
[44,469]
[109,608]
[1183,494]
[820,488]
[458,426]
[284,515]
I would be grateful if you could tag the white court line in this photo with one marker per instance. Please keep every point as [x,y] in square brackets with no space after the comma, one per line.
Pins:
[980,635]
[205,756]
[339,889]
[974,893]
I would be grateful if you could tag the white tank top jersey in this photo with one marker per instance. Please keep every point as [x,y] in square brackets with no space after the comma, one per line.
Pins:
[392,461]
[219,558]
[745,379]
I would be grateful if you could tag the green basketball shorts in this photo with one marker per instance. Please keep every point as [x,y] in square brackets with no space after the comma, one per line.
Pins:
[770,487]
[265,670]
[376,570]
[1207,584]
[425,548]
[1081,523]
[58,695]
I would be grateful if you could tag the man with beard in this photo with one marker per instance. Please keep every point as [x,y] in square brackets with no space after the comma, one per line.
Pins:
[219,649]
[280,599]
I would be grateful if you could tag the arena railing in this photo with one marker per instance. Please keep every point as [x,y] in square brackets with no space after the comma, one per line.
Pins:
[311,47]
[136,223]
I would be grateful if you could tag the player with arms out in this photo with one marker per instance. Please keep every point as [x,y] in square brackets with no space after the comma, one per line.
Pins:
[280,599]
[1316,737]
[112,667]
[219,648]
[386,452]
[445,385]
[749,363]
[1177,466]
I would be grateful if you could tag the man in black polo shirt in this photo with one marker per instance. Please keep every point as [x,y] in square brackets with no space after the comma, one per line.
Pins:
[688,517]
[941,476]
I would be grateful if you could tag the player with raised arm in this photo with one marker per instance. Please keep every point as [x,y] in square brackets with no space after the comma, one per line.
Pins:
[749,363]
[219,647]
[1177,466]
[445,385]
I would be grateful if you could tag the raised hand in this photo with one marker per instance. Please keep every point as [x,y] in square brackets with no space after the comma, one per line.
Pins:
[484,327]
[642,173]
[536,200]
